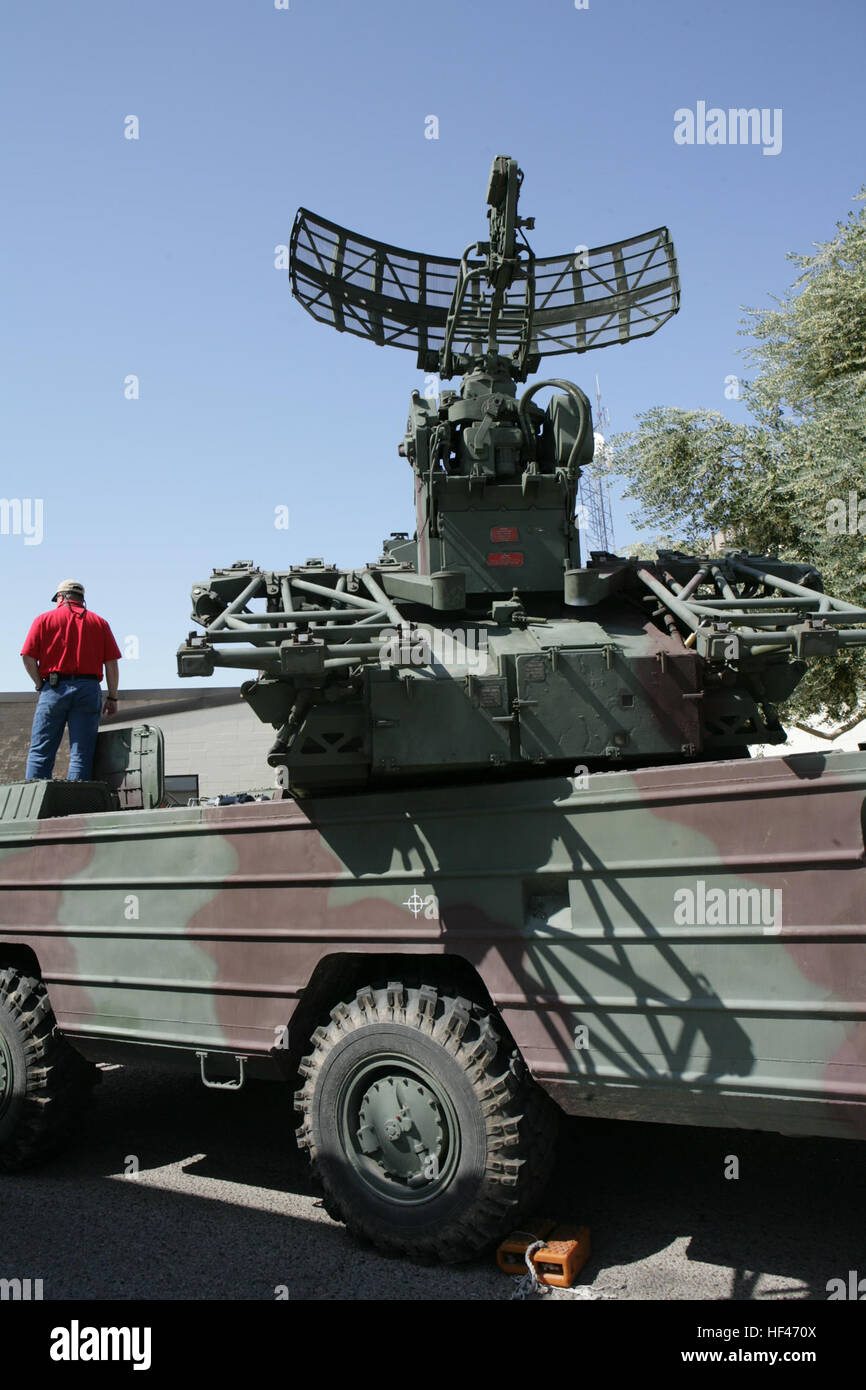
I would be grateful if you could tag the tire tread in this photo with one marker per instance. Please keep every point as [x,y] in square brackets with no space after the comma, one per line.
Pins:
[520,1120]
[57,1079]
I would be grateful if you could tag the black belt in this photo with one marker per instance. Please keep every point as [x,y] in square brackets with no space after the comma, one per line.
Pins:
[71,675]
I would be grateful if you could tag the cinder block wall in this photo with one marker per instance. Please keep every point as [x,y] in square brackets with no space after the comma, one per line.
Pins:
[16,716]
[225,744]
[213,733]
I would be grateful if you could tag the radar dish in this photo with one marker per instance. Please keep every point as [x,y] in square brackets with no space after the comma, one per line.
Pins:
[397,298]
[609,294]
[556,304]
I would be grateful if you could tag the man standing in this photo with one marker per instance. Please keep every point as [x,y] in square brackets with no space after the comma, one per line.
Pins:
[64,655]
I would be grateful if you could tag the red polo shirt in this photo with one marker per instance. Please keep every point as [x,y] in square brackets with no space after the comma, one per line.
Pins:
[71,639]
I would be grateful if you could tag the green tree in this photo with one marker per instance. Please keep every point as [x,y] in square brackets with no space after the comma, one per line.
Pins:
[792,482]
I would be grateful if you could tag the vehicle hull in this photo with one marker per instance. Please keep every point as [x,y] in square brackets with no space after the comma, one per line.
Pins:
[681,944]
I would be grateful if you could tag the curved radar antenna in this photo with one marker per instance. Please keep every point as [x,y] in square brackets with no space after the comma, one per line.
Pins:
[498,303]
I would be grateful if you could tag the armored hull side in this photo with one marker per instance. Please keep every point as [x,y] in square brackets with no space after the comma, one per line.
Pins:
[682,944]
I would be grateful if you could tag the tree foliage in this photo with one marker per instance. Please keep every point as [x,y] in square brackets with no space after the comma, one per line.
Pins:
[792,481]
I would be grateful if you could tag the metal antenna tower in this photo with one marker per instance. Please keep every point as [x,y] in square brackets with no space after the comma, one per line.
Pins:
[594,492]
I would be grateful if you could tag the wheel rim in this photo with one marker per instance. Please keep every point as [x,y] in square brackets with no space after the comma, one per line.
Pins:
[398,1129]
[6,1075]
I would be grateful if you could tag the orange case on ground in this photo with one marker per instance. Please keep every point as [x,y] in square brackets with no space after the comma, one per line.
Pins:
[511,1255]
[560,1261]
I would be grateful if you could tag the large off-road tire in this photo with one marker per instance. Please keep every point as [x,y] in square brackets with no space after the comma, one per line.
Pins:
[424,1130]
[43,1081]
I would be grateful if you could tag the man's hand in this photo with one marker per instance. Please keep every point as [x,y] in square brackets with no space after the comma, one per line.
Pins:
[109,708]
[31,666]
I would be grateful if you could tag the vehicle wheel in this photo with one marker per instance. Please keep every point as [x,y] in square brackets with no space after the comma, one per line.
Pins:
[424,1129]
[43,1081]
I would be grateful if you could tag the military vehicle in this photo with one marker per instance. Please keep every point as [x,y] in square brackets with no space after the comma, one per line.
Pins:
[517,853]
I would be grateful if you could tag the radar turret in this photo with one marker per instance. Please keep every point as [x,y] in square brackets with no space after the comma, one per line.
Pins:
[488,645]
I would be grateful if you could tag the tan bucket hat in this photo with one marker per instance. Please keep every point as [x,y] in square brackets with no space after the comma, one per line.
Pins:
[70,588]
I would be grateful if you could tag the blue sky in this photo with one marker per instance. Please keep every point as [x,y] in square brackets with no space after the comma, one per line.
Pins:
[155,256]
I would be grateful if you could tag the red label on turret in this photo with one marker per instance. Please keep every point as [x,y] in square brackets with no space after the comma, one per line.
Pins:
[503,533]
[505,557]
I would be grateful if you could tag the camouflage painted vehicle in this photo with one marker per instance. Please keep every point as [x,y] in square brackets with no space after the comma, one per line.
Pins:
[533,870]
[441,963]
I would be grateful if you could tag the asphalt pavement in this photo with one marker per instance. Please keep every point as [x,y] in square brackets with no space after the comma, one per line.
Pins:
[171,1191]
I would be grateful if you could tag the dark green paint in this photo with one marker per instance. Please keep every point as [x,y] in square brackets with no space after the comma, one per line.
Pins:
[487,645]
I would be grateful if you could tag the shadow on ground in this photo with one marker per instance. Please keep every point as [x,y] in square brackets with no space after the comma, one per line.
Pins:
[224,1208]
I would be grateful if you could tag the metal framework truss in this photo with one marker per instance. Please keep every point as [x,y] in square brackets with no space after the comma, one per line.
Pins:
[736,605]
[312,627]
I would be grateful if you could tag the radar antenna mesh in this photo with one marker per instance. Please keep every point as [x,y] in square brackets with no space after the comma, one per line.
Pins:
[556,304]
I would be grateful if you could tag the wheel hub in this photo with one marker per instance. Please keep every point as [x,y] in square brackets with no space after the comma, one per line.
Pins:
[401,1129]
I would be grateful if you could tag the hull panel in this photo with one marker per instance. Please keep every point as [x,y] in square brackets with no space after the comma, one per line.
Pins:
[682,943]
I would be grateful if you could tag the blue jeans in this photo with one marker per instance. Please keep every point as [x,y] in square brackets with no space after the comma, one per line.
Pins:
[76,703]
